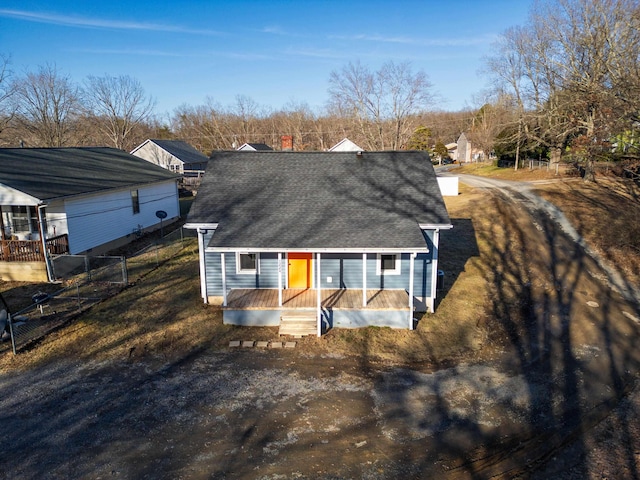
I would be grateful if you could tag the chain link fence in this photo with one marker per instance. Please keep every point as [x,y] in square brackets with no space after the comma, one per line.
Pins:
[84,280]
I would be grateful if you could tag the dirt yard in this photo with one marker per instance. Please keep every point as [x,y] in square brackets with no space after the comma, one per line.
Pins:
[515,375]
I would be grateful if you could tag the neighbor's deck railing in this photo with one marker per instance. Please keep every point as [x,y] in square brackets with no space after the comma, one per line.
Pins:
[31,250]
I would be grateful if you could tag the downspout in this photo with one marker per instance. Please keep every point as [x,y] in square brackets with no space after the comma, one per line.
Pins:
[223,266]
[43,240]
[203,265]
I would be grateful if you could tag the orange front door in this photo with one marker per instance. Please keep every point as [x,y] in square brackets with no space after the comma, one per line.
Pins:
[300,270]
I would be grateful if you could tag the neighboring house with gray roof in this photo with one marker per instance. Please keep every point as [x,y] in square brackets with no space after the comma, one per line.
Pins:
[174,155]
[345,145]
[75,200]
[349,239]
[255,147]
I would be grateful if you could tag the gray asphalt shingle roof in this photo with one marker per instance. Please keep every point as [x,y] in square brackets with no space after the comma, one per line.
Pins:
[48,173]
[300,200]
[259,147]
[182,150]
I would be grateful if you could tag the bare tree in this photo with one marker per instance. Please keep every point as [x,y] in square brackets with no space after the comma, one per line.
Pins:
[298,120]
[207,127]
[380,103]
[489,120]
[7,89]
[47,104]
[574,72]
[121,105]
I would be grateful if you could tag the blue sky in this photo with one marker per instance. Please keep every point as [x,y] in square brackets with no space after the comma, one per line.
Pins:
[274,52]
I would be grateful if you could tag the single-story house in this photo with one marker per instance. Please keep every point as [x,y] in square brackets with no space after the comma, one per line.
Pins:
[254,147]
[174,155]
[345,239]
[452,149]
[345,145]
[75,200]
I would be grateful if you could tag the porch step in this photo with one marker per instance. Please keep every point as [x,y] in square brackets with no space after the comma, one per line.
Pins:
[298,324]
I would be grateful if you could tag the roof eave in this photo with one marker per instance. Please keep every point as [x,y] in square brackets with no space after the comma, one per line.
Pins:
[436,226]
[200,225]
[424,249]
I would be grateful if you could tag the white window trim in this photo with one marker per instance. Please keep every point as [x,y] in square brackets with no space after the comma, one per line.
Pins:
[395,271]
[253,271]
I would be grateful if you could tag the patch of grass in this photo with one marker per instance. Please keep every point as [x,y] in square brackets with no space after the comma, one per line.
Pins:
[507,173]
[606,213]
[162,316]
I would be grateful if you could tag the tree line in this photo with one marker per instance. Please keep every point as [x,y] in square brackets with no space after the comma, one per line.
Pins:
[563,86]
[379,110]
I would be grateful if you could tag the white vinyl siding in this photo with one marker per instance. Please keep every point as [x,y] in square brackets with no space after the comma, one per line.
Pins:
[158,156]
[97,219]
[56,219]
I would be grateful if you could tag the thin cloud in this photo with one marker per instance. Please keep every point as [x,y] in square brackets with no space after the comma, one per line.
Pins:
[163,53]
[322,53]
[150,53]
[428,42]
[277,30]
[84,22]
[274,30]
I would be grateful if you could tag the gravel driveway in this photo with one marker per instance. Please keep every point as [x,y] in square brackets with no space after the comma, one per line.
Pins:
[256,414]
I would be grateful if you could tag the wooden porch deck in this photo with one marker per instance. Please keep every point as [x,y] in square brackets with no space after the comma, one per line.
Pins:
[31,250]
[306,299]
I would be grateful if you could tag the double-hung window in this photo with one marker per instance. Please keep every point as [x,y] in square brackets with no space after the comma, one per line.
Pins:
[388,264]
[135,201]
[247,263]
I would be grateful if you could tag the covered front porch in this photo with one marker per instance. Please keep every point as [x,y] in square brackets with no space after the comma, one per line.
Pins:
[24,260]
[25,242]
[344,308]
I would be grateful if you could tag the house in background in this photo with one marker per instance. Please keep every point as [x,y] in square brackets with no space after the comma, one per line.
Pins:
[176,156]
[75,200]
[255,147]
[345,145]
[452,149]
[466,152]
[319,239]
[463,152]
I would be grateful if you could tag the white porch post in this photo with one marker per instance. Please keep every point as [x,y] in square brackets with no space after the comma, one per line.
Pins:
[279,279]
[224,279]
[434,271]
[318,285]
[364,279]
[412,258]
[203,266]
